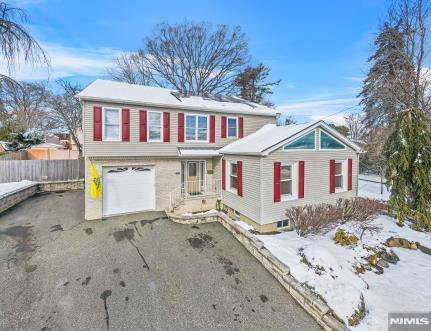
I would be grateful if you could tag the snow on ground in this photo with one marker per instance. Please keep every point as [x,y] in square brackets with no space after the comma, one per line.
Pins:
[8,188]
[368,189]
[201,213]
[330,269]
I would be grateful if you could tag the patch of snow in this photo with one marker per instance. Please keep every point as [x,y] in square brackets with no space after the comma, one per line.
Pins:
[370,189]
[244,225]
[9,188]
[200,214]
[329,269]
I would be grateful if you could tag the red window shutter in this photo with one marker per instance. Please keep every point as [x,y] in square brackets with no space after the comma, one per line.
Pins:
[350,167]
[223,126]
[223,174]
[166,127]
[239,173]
[97,123]
[277,176]
[125,124]
[332,176]
[180,127]
[301,172]
[212,129]
[240,127]
[143,126]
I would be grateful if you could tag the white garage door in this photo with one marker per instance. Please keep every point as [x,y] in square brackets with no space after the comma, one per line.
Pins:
[128,189]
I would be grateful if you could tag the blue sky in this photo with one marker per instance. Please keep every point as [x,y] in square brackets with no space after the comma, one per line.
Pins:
[318,48]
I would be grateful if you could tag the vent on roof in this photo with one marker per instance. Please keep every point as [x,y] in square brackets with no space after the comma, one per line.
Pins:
[213,97]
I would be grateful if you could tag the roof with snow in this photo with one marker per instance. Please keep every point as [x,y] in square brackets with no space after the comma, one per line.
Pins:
[271,136]
[119,92]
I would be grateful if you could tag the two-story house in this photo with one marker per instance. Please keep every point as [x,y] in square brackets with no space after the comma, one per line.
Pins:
[159,149]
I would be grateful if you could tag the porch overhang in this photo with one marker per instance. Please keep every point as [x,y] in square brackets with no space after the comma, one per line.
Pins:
[198,152]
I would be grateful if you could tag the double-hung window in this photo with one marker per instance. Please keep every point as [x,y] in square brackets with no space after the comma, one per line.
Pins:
[339,181]
[286,180]
[232,127]
[111,124]
[154,126]
[233,176]
[196,128]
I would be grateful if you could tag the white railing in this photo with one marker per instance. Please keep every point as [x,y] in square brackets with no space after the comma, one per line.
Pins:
[192,189]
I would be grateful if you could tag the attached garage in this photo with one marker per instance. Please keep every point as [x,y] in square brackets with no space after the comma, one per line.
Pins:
[128,189]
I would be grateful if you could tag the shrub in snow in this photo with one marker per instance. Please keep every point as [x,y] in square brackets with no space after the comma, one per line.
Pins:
[359,313]
[312,219]
[345,238]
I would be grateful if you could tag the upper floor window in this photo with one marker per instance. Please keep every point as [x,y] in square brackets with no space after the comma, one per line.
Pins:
[307,141]
[232,127]
[111,124]
[328,142]
[154,126]
[196,128]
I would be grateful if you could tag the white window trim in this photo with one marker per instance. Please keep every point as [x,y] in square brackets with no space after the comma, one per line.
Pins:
[344,173]
[228,172]
[283,227]
[236,125]
[120,133]
[330,149]
[295,173]
[196,135]
[161,127]
[302,149]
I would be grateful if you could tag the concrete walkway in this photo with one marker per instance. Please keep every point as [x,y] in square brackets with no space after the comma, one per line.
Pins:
[59,272]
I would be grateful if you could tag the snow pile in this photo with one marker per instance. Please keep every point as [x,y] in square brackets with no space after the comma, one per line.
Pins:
[244,225]
[200,213]
[9,188]
[330,270]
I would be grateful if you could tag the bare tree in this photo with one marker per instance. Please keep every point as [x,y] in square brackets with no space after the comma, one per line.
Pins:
[26,107]
[355,125]
[16,43]
[189,56]
[130,68]
[66,110]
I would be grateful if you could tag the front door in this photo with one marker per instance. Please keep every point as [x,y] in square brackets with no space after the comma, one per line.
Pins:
[195,177]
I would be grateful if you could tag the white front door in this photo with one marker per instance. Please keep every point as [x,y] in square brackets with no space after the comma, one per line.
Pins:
[128,189]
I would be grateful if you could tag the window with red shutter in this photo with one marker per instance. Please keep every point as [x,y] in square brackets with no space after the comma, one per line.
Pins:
[223,126]
[332,176]
[180,127]
[240,127]
[301,172]
[239,176]
[223,174]
[212,129]
[166,127]
[125,124]
[277,175]
[142,126]
[349,178]
[97,123]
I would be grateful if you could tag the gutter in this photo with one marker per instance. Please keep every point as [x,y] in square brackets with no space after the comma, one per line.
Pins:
[159,105]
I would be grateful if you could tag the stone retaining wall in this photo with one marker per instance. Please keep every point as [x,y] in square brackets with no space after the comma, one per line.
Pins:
[9,200]
[194,218]
[310,301]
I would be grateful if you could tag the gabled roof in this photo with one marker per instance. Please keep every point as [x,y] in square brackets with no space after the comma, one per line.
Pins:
[270,137]
[119,92]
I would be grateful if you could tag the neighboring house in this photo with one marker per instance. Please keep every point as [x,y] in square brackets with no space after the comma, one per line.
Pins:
[156,149]
[5,147]
[285,166]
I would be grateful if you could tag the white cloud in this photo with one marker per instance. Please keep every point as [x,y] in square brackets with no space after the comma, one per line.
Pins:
[67,61]
[331,110]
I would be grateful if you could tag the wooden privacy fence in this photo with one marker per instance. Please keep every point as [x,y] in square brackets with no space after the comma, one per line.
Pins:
[41,170]
[18,155]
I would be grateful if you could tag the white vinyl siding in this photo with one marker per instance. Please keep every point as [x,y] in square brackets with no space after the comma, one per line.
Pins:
[135,148]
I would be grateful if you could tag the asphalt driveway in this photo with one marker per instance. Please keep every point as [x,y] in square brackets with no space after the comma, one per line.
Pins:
[59,272]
